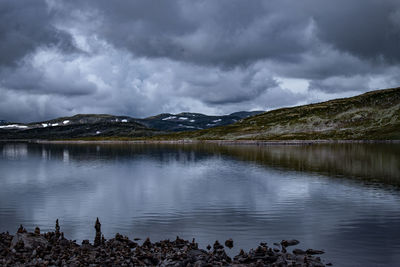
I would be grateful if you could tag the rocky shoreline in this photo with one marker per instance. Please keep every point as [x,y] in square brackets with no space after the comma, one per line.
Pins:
[53,249]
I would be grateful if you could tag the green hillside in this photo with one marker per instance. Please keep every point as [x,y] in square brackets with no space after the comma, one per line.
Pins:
[371,116]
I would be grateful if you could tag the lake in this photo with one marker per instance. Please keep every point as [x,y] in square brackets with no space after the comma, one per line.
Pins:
[342,198]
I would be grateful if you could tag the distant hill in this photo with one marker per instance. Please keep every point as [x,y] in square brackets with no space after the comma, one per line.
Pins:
[192,121]
[108,126]
[2,122]
[373,115]
[78,126]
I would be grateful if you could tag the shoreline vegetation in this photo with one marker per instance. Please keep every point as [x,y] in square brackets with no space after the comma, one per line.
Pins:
[53,249]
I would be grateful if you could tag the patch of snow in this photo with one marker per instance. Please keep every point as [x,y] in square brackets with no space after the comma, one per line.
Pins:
[192,120]
[169,118]
[98,132]
[13,126]
[217,120]
[66,122]
[183,118]
[54,124]
[45,125]
[124,120]
[210,124]
[117,120]
[188,126]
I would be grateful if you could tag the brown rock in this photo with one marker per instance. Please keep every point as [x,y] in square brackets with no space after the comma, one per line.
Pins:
[229,243]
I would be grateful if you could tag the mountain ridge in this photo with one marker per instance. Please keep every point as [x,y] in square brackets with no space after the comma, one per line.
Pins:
[373,115]
[106,125]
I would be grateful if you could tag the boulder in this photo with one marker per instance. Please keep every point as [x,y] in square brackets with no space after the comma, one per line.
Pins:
[30,241]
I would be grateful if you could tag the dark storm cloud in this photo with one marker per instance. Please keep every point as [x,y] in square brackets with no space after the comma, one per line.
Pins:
[141,58]
[370,28]
[204,32]
[239,32]
[25,26]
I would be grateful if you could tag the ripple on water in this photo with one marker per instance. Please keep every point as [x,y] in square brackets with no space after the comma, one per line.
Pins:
[250,194]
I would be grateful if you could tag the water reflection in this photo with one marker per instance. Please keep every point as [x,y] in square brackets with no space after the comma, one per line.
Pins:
[15,150]
[368,162]
[249,193]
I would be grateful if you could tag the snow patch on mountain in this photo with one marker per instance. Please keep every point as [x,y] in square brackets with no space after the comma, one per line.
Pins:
[13,126]
[169,118]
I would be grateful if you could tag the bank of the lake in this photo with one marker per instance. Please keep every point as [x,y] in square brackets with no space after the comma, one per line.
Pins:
[53,249]
[215,141]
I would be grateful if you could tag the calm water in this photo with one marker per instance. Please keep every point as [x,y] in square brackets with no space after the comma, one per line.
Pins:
[344,199]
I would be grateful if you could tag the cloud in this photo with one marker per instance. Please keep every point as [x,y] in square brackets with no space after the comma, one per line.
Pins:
[48,72]
[25,26]
[140,58]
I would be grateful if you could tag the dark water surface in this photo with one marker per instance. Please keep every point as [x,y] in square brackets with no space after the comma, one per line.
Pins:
[344,198]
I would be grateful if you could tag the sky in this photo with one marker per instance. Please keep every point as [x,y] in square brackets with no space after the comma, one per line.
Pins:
[142,58]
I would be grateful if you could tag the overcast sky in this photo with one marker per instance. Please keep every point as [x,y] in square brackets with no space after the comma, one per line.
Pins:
[141,58]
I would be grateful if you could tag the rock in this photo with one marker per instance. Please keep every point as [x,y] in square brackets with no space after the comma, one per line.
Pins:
[97,239]
[314,251]
[287,243]
[217,245]
[29,241]
[20,250]
[298,251]
[21,229]
[57,229]
[147,243]
[229,243]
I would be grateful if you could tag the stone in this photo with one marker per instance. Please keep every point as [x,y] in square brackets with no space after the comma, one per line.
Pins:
[97,239]
[21,229]
[120,251]
[298,251]
[229,243]
[314,251]
[57,229]
[287,243]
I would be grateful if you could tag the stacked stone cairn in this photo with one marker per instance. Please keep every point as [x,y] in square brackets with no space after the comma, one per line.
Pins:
[53,249]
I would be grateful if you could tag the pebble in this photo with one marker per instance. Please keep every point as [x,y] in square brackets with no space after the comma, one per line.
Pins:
[52,249]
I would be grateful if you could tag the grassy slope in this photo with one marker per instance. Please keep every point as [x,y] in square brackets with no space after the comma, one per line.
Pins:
[373,115]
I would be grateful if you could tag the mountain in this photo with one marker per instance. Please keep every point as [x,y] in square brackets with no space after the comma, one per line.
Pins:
[371,116]
[107,126]
[192,121]
[78,126]
[3,122]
